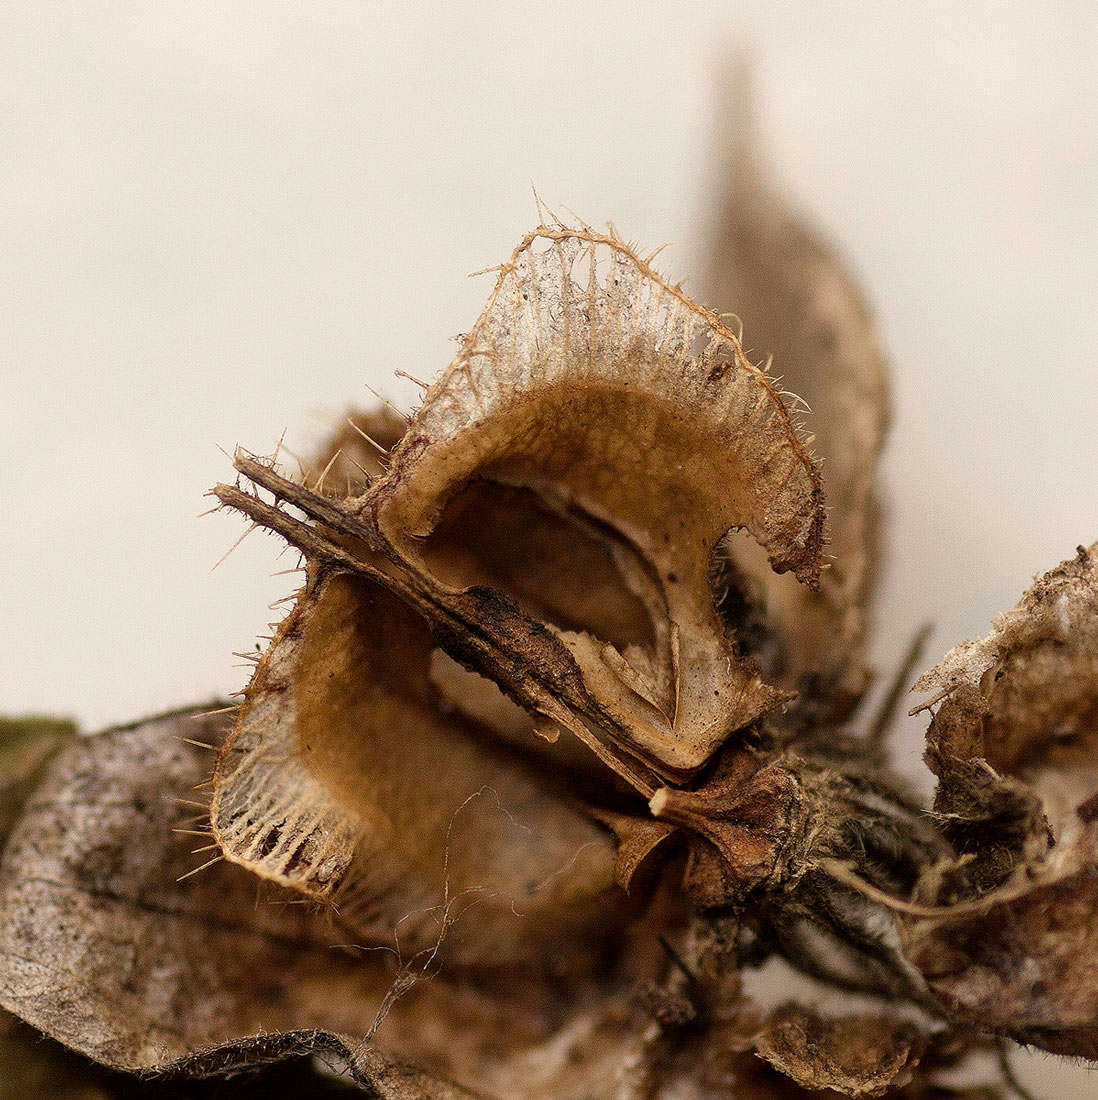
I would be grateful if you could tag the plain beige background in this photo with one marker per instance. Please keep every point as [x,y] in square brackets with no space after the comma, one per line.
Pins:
[220,221]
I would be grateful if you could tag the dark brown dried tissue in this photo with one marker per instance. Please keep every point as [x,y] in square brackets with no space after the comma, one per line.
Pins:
[556,748]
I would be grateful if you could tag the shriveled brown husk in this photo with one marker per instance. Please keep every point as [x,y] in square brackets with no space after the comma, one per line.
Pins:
[1013,944]
[854,1055]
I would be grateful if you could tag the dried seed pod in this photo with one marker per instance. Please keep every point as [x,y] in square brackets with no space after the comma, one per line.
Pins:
[548,519]
[1015,926]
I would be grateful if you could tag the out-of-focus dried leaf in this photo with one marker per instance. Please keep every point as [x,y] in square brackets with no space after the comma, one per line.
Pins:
[26,744]
[1011,944]
[105,948]
[356,450]
[798,303]
[30,1065]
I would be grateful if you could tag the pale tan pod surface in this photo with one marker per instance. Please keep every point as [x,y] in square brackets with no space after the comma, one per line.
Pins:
[628,416]
[798,303]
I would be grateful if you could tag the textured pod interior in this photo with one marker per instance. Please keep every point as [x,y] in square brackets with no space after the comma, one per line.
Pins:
[370,792]
[611,402]
[558,566]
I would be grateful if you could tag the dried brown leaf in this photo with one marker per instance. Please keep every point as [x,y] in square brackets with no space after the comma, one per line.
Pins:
[26,745]
[104,948]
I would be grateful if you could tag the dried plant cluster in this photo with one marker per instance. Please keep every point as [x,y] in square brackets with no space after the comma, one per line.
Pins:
[555,747]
